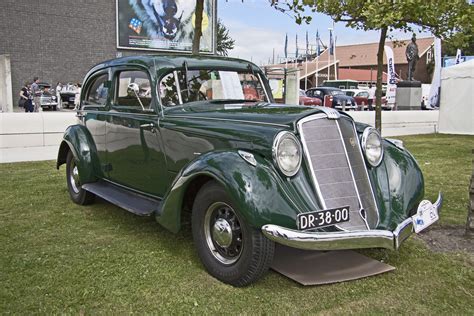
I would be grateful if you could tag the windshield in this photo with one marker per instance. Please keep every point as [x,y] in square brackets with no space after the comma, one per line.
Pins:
[180,87]
[337,92]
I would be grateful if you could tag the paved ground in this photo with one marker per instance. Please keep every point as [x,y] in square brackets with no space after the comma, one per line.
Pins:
[28,154]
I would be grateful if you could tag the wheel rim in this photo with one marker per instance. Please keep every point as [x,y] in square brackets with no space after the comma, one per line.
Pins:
[74,177]
[223,233]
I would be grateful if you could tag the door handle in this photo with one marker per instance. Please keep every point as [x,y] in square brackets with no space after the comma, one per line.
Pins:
[151,127]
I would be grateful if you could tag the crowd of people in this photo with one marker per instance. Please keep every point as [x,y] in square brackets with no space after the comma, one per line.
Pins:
[31,92]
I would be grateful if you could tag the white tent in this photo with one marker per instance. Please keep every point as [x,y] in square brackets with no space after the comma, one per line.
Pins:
[456,114]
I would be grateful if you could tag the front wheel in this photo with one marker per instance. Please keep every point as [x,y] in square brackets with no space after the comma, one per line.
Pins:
[230,249]
[77,193]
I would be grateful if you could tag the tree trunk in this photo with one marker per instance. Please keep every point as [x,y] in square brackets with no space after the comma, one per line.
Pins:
[198,26]
[470,206]
[378,91]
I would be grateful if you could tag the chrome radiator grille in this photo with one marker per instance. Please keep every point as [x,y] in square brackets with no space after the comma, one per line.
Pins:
[333,154]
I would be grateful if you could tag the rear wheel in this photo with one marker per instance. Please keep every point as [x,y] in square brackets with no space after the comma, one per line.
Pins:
[230,249]
[77,193]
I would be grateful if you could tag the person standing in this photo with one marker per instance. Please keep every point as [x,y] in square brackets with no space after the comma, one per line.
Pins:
[35,91]
[370,99]
[77,97]
[58,89]
[26,96]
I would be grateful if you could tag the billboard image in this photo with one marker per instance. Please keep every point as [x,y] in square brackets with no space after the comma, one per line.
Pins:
[163,25]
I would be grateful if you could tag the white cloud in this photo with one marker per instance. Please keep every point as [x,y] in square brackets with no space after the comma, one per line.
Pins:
[254,43]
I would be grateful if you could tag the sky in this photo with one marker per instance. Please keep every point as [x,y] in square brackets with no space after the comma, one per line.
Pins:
[257,28]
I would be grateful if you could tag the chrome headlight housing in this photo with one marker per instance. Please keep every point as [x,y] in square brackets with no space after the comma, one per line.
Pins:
[372,146]
[287,153]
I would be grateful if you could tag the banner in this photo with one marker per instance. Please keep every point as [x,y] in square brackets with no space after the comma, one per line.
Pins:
[433,99]
[391,76]
[163,25]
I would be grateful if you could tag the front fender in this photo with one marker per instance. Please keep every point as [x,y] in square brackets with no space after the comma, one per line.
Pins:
[259,193]
[79,141]
[399,186]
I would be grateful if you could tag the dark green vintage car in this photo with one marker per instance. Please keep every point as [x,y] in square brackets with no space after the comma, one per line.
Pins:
[165,135]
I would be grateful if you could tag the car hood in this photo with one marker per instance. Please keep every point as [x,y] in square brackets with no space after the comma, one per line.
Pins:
[263,113]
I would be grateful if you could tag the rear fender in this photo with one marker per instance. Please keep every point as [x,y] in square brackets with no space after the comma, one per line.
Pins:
[79,141]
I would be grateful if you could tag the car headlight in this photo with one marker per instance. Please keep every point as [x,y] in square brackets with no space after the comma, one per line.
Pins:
[53,97]
[287,153]
[372,146]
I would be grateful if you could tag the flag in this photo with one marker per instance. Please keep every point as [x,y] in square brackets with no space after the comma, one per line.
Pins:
[433,99]
[318,48]
[458,56]
[331,43]
[296,52]
[307,44]
[391,76]
[286,45]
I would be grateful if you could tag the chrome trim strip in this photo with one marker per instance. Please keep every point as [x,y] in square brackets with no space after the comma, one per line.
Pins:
[178,88]
[367,173]
[353,178]
[226,120]
[307,156]
[263,86]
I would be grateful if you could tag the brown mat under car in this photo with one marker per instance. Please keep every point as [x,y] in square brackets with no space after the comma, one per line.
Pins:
[324,267]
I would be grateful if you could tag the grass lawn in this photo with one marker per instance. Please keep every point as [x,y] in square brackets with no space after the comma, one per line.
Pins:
[58,257]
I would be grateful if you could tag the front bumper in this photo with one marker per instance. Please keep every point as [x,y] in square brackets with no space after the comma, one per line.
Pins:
[344,239]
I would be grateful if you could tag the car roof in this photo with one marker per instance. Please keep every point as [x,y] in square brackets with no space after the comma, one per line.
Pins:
[324,88]
[165,63]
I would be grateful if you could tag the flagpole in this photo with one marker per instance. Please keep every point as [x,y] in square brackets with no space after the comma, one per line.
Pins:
[334,48]
[317,57]
[329,53]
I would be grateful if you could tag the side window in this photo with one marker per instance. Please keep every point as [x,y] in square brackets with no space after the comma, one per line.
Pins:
[97,91]
[168,91]
[126,96]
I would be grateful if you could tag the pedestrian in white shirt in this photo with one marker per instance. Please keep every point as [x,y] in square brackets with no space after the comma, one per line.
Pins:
[371,97]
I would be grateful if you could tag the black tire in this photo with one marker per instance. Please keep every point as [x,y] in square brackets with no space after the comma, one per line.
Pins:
[78,195]
[55,107]
[239,263]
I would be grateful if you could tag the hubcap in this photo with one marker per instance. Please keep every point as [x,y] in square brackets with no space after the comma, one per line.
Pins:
[223,233]
[74,177]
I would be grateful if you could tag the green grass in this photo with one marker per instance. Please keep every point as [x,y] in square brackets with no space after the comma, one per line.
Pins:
[58,257]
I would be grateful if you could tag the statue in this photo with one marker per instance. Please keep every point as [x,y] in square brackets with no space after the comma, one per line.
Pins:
[412,57]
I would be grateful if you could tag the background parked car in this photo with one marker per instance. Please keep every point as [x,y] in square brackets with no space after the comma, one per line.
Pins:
[305,100]
[68,95]
[335,98]
[362,98]
[47,97]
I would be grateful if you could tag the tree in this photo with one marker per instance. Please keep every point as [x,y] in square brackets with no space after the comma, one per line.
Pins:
[197,26]
[445,19]
[224,42]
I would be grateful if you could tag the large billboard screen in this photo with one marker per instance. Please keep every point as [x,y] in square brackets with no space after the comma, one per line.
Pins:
[163,25]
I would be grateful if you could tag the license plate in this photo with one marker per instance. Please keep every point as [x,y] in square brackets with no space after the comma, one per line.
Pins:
[426,215]
[323,218]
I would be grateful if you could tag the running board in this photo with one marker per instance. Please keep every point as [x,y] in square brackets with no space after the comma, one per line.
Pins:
[128,200]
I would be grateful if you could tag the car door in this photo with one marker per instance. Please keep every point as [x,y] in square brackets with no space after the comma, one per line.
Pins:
[94,110]
[134,151]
